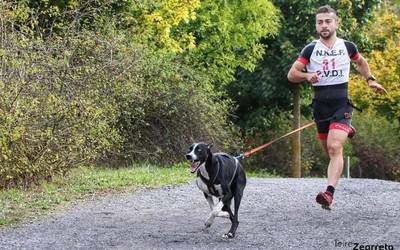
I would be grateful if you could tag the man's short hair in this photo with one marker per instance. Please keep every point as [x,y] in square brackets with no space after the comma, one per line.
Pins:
[326,9]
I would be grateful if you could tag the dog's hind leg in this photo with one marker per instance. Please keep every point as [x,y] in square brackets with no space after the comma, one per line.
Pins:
[227,200]
[213,214]
[234,218]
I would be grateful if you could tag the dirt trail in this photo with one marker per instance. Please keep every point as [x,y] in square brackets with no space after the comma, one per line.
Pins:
[275,214]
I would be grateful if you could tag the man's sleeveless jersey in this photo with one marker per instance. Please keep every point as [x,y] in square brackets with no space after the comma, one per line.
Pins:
[333,64]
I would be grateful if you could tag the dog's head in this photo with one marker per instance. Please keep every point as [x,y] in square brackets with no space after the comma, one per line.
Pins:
[198,154]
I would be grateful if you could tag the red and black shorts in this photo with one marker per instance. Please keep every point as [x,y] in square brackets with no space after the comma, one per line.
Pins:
[332,114]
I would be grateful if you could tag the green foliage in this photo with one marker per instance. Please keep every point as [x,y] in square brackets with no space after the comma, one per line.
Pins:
[162,23]
[228,36]
[45,17]
[215,36]
[377,148]
[164,106]
[384,61]
[275,158]
[73,97]
[54,112]
[394,6]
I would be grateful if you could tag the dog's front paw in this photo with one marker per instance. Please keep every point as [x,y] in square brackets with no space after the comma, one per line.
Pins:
[223,214]
[228,236]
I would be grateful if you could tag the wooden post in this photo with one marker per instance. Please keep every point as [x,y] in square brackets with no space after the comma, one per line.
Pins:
[348,167]
[296,146]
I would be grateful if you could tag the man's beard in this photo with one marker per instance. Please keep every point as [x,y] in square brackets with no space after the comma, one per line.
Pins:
[328,35]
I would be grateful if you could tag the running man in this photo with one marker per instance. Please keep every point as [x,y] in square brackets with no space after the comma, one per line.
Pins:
[325,64]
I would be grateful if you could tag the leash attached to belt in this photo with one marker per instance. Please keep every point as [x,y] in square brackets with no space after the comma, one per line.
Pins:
[254,150]
[338,115]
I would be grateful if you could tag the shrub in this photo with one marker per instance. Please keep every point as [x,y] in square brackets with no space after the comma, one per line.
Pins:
[377,147]
[164,106]
[76,96]
[276,158]
[54,112]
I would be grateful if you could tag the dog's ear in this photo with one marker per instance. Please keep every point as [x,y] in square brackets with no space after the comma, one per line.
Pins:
[210,145]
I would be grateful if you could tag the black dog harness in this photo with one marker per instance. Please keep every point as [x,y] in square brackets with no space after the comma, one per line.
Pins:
[210,185]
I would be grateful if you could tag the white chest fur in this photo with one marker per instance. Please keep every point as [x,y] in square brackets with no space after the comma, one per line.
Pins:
[203,171]
[203,187]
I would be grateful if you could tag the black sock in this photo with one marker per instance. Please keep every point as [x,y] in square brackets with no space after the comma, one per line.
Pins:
[330,189]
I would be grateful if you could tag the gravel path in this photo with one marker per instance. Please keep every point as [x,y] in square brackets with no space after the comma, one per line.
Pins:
[275,214]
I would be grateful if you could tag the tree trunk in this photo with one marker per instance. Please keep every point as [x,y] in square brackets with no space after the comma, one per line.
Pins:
[296,154]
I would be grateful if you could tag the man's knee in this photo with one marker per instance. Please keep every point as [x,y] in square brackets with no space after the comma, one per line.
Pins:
[335,148]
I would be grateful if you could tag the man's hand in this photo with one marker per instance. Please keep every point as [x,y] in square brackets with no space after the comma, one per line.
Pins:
[313,77]
[377,87]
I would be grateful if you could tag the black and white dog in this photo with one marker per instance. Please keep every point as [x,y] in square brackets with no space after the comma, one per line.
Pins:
[219,175]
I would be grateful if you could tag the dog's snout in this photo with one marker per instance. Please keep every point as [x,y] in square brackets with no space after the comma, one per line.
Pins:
[188,156]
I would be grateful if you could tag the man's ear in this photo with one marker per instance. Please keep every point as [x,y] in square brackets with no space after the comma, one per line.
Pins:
[338,22]
[210,145]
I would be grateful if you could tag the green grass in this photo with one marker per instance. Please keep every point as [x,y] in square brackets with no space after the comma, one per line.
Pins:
[17,205]
[261,174]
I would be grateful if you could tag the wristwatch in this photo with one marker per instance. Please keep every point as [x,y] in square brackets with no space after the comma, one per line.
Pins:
[371,77]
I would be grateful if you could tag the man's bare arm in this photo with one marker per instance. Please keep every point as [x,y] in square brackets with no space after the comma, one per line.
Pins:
[363,69]
[297,74]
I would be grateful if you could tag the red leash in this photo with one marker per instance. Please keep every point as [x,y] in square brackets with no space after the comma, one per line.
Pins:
[254,150]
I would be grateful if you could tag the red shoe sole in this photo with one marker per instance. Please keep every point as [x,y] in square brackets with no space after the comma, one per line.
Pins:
[323,202]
